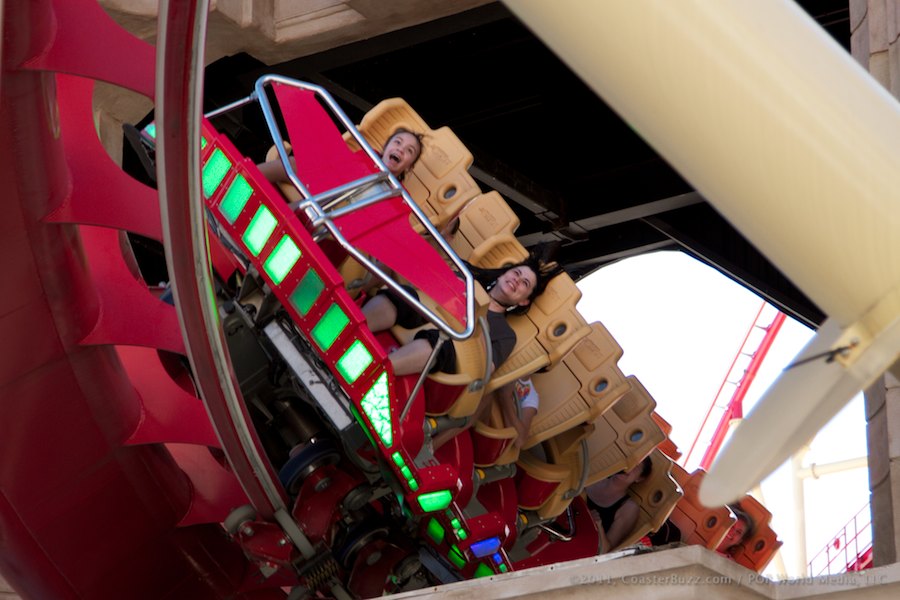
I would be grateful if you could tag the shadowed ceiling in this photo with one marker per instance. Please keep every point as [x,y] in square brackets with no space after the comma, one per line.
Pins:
[571,168]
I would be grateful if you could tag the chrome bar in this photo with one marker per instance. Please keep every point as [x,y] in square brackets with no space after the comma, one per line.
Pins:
[275,131]
[421,380]
[229,107]
[313,210]
[346,210]
[333,194]
[399,289]
[566,537]
[350,196]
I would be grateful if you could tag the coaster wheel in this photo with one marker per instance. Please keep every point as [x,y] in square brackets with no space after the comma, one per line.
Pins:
[314,455]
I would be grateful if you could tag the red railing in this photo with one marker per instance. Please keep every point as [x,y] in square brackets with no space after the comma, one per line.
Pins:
[850,550]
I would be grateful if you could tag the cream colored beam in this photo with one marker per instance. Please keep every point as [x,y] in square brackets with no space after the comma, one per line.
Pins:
[765,115]
[798,490]
[794,143]
[815,471]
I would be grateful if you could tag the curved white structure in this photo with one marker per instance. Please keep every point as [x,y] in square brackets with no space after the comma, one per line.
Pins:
[794,143]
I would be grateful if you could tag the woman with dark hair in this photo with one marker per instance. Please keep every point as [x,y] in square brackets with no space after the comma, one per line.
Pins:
[612,508]
[510,290]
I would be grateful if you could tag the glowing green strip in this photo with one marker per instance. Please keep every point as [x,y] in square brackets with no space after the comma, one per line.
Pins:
[282,260]
[482,570]
[260,229]
[355,360]
[308,291]
[235,199]
[435,531]
[151,131]
[329,327]
[398,459]
[456,557]
[214,171]
[432,501]
[377,406]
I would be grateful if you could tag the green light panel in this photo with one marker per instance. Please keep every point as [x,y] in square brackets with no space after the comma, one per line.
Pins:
[482,570]
[261,227]
[355,360]
[398,460]
[431,501]
[235,199]
[435,531]
[503,568]
[151,131]
[377,406]
[214,171]
[282,260]
[456,557]
[329,327]
[307,292]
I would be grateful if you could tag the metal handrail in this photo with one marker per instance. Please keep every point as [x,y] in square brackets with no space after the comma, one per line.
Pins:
[312,204]
[842,554]
[442,339]
[565,537]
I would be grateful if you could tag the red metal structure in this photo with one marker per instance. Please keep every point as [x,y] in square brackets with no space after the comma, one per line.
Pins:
[303,464]
[97,434]
[755,349]
[850,550]
[104,429]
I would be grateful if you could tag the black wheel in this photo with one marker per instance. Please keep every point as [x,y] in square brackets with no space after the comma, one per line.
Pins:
[357,538]
[314,455]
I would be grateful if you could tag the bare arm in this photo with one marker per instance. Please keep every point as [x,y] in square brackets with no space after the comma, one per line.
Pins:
[527,416]
[626,518]
[507,397]
[274,171]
